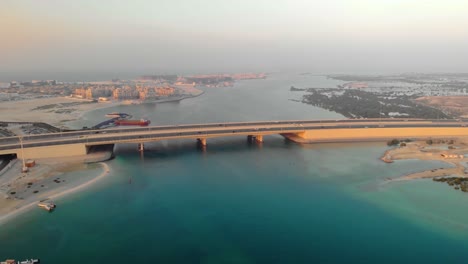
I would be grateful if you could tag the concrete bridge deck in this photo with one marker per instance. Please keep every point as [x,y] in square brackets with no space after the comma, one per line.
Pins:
[78,142]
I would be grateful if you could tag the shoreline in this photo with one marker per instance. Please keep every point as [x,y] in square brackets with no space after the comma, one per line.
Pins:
[24,208]
[48,169]
[120,103]
[60,111]
[427,152]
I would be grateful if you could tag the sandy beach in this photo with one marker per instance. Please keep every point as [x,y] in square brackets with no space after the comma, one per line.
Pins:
[449,151]
[55,111]
[58,111]
[11,206]
[52,178]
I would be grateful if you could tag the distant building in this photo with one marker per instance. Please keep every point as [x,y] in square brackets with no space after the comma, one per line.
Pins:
[164,91]
[125,93]
[80,93]
[247,76]
[89,93]
[14,84]
[355,85]
[147,93]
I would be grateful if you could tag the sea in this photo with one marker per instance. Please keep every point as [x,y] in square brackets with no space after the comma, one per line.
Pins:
[241,202]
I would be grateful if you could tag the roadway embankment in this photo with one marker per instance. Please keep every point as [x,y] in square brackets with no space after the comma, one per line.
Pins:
[375,134]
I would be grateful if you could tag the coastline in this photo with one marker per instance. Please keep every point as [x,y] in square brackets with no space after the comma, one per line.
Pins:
[81,114]
[428,152]
[19,209]
[60,111]
[46,170]
[54,110]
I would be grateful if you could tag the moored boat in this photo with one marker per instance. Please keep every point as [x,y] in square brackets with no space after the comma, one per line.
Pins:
[141,122]
[27,261]
[30,261]
[49,206]
[118,115]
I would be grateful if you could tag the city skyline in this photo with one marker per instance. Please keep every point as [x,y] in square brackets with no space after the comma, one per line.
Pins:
[358,36]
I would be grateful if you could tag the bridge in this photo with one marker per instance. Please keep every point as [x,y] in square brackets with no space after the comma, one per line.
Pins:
[76,143]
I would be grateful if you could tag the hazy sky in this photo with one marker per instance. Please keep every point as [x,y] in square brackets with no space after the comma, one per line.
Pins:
[236,35]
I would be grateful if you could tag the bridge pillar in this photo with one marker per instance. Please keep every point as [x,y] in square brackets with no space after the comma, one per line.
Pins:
[202,141]
[259,138]
[249,138]
[141,147]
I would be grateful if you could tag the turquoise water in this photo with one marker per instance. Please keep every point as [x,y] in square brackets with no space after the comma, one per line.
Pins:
[236,202]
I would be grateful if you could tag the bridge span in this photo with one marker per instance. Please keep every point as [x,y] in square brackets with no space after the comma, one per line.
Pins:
[75,143]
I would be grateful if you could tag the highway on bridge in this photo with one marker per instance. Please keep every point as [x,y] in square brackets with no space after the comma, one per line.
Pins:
[203,131]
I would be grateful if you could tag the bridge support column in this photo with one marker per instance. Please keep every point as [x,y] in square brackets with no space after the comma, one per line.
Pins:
[141,147]
[202,141]
[249,138]
[259,138]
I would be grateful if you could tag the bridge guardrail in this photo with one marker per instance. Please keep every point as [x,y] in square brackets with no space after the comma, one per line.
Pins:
[87,136]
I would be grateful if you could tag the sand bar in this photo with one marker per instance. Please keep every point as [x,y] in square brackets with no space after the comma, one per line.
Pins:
[421,150]
[12,208]
[55,111]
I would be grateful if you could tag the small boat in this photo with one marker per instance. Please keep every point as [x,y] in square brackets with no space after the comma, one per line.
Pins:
[28,261]
[49,206]
[118,115]
[141,122]
[113,114]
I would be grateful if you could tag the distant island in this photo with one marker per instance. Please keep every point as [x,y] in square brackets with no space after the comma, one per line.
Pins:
[146,88]
[57,103]
[439,96]
[362,104]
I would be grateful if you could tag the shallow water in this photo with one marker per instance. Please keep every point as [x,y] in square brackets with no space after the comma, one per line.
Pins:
[236,202]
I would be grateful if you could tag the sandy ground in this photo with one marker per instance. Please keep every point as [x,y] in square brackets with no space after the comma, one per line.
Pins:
[47,180]
[55,111]
[50,178]
[192,91]
[457,105]
[422,151]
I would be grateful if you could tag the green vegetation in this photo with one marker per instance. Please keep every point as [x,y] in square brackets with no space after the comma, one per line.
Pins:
[362,104]
[393,142]
[47,127]
[51,106]
[65,111]
[459,183]
[45,107]
[294,89]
